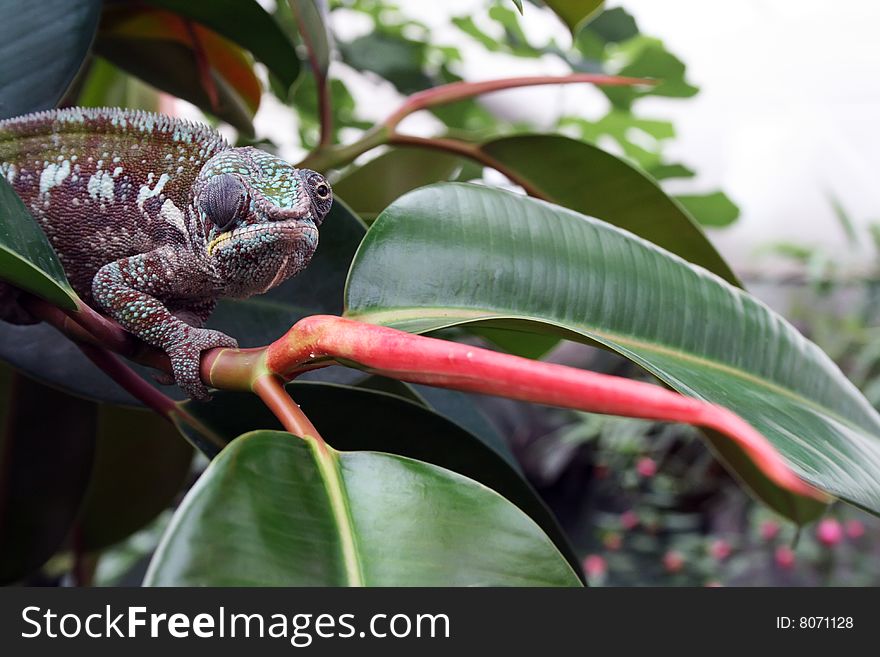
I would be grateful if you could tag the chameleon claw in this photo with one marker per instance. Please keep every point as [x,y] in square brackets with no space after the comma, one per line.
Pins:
[186,356]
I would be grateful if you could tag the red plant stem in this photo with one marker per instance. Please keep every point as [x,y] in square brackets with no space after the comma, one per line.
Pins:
[472,151]
[418,359]
[455,91]
[329,157]
[87,326]
[129,380]
[272,392]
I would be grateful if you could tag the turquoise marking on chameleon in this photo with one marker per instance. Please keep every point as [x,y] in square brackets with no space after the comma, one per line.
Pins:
[272,177]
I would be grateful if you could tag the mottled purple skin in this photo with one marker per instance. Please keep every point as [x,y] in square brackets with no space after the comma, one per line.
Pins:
[155,218]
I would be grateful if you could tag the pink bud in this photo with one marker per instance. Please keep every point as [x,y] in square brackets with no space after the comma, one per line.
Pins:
[829,532]
[612,541]
[594,566]
[673,561]
[855,529]
[646,467]
[769,530]
[713,584]
[784,557]
[720,549]
[629,520]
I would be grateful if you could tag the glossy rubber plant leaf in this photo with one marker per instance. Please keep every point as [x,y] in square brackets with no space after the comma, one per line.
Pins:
[405,429]
[247,24]
[274,510]
[42,46]
[575,13]
[141,465]
[585,178]
[451,254]
[27,260]
[182,58]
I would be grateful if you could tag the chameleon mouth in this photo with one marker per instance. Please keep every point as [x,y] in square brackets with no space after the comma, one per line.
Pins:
[291,226]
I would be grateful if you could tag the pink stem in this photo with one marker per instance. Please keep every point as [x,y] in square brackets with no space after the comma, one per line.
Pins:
[269,389]
[418,359]
[455,91]
[472,151]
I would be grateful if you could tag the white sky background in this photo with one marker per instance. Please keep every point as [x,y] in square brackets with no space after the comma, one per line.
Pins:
[787,113]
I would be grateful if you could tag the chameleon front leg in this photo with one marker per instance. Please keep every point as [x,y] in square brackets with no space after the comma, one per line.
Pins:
[130,289]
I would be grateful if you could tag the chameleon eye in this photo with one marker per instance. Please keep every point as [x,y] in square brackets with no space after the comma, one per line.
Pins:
[322,191]
[225,200]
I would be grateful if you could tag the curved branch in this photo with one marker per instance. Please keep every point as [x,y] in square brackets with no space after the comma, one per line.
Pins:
[469,150]
[455,91]
[269,389]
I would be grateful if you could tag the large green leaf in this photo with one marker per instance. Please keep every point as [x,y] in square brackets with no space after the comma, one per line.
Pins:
[27,260]
[574,13]
[585,178]
[42,46]
[274,510]
[400,427]
[246,23]
[450,254]
[141,465]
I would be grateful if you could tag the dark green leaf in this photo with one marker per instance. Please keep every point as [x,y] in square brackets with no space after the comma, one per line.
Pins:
[42,46]
[141,466]
[46,449]
[27,260]
[274,510]
[406,428]
[585,178]
[575,13]
[450,254]
[246,23]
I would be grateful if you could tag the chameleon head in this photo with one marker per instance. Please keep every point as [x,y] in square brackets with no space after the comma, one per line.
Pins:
[260,217]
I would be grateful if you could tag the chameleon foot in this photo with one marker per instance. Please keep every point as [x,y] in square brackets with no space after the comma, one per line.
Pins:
[186,355]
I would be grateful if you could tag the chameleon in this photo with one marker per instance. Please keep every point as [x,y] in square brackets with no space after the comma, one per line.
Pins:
[155,218]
